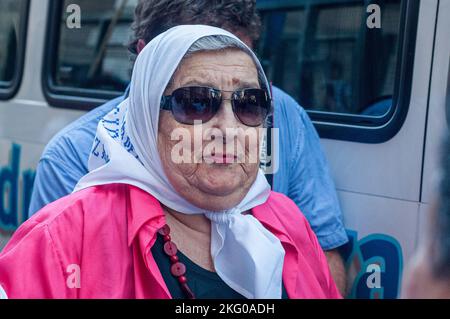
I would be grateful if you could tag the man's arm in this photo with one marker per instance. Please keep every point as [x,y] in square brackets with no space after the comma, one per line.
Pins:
[337,269]
[319,201]
[307,180]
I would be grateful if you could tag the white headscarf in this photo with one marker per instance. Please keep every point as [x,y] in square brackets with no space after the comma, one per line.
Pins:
[246,256]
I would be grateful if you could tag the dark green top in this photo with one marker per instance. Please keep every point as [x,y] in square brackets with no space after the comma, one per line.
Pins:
[203,283]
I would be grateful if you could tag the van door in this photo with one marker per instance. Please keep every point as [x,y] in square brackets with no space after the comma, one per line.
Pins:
[438,111]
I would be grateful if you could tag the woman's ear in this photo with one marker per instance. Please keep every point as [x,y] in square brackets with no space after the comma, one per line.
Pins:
[140,45]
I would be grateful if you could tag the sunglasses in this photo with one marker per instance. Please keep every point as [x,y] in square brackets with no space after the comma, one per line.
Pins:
[198,103]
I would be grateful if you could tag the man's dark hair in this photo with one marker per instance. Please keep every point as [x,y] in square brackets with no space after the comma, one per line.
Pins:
[153,17]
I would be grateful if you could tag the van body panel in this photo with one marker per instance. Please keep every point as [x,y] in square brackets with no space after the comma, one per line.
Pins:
[31,79]
[437,119]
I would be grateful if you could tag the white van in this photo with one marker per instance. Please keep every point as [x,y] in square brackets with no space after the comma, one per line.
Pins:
[374,79]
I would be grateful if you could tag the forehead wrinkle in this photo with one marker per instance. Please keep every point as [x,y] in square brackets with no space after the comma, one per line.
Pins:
[224,70]
[216,78]
[201,79]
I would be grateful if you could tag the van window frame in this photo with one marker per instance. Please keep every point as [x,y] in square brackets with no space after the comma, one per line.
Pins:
[61,96]
[8,89]
[372,129]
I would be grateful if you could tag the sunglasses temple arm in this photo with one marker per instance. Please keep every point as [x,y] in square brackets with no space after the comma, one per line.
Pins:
[271,97]
[166,103]
[271,91]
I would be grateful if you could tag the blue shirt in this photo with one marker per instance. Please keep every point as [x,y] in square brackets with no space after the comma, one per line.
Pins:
[303,173]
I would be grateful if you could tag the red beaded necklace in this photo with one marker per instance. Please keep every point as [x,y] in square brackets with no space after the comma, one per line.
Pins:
[178,269]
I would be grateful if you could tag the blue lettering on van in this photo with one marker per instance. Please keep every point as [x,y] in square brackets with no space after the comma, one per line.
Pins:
[376,249]
[28,182]
[10,218]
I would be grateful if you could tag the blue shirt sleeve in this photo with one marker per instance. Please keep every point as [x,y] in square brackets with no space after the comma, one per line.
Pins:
[54,179]
[304,175]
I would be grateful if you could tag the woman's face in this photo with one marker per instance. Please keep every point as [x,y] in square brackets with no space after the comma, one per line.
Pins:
[217,172]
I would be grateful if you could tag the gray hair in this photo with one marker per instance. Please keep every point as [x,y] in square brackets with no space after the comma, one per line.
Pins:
[222,42]
[217,43]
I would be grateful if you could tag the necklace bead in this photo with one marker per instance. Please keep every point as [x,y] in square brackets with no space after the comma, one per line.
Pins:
[170,248]
[178,269]
[165,230]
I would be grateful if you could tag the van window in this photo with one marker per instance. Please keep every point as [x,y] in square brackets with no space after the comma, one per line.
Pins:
[12,38]
[326,55]
[93,53]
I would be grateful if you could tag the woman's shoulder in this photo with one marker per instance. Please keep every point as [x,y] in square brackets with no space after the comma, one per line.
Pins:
[282,207]
[73,215]
[73,230]
[280,213]
[285,220]
[102,207]
[99,199]
[77,216]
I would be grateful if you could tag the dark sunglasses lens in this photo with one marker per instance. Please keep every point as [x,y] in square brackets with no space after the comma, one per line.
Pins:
[252,106]
[191,104]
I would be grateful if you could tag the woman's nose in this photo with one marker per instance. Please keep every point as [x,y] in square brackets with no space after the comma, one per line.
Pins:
[225,116]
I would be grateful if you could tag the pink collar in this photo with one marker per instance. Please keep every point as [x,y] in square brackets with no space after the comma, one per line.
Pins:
[146,217]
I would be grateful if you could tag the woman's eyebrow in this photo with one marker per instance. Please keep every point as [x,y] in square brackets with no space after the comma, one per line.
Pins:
[247,84]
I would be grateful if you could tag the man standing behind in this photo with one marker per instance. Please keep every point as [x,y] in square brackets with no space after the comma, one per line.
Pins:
[303,173]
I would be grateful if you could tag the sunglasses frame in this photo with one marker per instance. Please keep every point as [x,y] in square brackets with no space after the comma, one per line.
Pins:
[166,102]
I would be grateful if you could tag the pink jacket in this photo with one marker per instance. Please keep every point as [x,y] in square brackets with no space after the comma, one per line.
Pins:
[96,244]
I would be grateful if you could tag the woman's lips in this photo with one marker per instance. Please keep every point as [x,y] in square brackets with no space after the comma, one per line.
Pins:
[221,159]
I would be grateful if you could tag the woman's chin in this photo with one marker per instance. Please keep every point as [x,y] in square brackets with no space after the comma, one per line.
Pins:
[218,197]
[219,189]
[218,205]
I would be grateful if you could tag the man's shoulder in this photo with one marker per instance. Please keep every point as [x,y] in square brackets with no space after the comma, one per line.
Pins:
[284,100]
[288,109]
[79,133]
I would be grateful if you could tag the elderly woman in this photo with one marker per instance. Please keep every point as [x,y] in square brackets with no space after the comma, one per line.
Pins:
[158,227]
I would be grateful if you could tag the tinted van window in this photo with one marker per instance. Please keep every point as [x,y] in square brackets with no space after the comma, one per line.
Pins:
[12,14]
[333,56]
